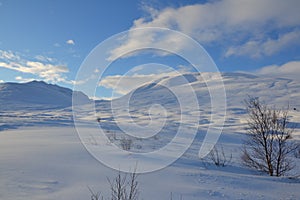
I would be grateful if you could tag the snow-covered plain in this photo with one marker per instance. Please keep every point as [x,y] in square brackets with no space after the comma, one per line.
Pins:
[42,157]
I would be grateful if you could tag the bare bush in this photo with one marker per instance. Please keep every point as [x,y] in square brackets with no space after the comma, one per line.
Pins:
[268,145]
[95,196]
[171,196]
[112,136]
[218,157]
[121,187]
[126,143]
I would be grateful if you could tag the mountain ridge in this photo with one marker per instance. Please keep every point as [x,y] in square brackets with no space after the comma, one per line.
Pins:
[37,93]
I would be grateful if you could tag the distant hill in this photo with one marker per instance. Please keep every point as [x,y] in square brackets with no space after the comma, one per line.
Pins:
[279,92]
[36,94]
[37,102]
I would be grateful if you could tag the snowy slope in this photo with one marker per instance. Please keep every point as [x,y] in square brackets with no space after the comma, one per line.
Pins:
[51,163]
[279,92]
[36,103]
[148,107]
[36,94]
[238,86]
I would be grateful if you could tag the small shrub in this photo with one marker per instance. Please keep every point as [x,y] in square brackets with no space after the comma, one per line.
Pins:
[218,157]
[126,143]
[95,196]
[121,187]
[111,136]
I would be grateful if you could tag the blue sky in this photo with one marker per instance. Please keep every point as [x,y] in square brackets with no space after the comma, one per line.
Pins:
[48,40]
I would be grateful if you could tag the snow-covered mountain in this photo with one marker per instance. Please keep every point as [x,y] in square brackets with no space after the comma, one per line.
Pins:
[279,92]
[238,86]
[155,106]
[36,103]
[36,94]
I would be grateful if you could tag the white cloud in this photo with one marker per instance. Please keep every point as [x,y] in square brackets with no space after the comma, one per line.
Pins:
[70,42]
[45,70]
[2,81]
[138,76]
[21,79]
[8,55]
[73,82]
[48,72]
[56,45]
[124,84]
[289,70]
[44,58]
[137,40]
[262,48]
[226,22]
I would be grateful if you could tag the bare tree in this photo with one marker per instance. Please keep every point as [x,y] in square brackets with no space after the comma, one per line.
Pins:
[268,146]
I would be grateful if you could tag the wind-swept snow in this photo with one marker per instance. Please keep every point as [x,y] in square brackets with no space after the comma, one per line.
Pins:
[44,159]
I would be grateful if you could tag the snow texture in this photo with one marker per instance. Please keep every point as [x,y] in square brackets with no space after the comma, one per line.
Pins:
[42,157]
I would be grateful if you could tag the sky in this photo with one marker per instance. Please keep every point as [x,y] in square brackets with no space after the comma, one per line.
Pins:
[49,40]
